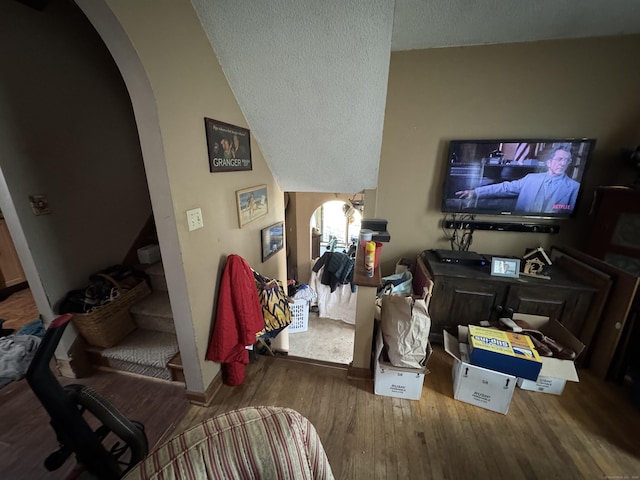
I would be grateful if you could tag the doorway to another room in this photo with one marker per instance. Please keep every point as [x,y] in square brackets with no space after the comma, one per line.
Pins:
[327,332]
[17,306]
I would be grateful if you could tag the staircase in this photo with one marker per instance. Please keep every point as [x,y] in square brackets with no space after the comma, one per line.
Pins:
[152,348]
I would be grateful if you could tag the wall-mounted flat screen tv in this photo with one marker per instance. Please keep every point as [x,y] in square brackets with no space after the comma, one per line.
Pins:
[522,178]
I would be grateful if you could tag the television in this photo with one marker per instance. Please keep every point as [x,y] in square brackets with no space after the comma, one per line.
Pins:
[539,178]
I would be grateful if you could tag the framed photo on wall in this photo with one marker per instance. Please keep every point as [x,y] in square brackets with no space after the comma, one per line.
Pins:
[272,240]
[505,267]
[252,203]
[229,147]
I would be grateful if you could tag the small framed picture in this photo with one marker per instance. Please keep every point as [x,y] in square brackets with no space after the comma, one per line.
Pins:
[252,203]
[505,267]
[272,240]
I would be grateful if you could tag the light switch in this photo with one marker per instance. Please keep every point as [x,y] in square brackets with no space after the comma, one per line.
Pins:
[194,219]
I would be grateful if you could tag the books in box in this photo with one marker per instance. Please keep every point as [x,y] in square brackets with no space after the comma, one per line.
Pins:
[506,352]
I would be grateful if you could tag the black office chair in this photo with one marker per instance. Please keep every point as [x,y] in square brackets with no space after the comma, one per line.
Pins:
[66,406]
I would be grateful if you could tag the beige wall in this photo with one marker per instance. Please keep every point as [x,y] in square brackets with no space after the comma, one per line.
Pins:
[576,88]
[569,88]
[187,85]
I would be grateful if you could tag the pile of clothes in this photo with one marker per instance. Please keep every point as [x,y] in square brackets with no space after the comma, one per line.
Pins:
[17,351]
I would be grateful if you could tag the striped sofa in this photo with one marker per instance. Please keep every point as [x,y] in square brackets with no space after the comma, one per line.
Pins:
[248,443]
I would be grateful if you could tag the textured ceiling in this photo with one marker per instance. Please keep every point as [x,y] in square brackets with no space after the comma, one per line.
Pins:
[311,79]
[447,23]
[311,75]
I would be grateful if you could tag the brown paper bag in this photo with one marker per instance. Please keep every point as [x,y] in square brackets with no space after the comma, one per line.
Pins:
[405,324]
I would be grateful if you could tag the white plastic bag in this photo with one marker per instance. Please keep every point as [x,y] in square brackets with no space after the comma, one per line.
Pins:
[398,283]
[405,328]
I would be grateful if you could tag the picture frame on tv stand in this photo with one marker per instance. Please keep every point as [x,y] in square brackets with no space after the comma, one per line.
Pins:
[505,267]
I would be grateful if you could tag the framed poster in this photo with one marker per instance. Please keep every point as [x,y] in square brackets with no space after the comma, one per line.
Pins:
[252,203]
[272,240]
[229,147]
[505,267]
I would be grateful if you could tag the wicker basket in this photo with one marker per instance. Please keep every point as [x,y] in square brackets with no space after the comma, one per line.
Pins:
[105,326]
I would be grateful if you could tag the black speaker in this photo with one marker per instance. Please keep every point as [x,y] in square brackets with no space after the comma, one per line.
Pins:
[503,226]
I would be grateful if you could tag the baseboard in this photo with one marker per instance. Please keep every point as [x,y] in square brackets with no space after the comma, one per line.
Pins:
[358,373]
[8,291]
[311,361]
[204,399]
[65,369]
[79,364]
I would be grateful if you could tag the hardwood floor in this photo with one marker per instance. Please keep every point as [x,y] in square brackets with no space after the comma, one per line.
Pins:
[591,431]
[18,309]
[26,438]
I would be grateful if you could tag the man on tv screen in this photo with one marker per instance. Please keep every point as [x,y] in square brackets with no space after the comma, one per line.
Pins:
[548,192]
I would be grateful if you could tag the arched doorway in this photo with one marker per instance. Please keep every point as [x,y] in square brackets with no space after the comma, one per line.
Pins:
[335,225]
[330,330]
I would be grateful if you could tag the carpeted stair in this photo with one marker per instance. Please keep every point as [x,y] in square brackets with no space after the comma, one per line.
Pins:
[151,349]
[145,352]
[154,313]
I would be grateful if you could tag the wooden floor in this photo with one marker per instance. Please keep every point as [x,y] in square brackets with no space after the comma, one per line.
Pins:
[18,309]
[591,431]
[26,438]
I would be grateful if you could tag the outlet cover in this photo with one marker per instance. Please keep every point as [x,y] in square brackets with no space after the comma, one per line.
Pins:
[194,219]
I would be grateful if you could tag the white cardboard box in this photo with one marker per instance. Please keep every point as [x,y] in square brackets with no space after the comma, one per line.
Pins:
[555,372]
[476,385]
[149,254]
[399,382]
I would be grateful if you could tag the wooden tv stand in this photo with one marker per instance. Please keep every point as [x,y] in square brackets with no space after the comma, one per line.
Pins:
[464,295]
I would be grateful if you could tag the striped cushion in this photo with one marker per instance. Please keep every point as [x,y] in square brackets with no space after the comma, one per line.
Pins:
[253,442]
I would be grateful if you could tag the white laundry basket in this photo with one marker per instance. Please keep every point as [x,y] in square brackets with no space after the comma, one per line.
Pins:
[299,316]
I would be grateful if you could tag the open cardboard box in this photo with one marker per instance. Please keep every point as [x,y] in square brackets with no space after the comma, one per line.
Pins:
[477,385]
[555,372]
[399,382]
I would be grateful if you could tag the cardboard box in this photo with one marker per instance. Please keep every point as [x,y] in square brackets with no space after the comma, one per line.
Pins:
[392,381]
[555,373]
[506,352]
[477,385]
[149,254]
[405,265]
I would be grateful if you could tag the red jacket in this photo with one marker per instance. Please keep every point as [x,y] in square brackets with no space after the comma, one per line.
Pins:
[238,319]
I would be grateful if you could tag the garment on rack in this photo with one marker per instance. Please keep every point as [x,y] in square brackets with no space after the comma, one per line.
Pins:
[337,305]
[338,269]
[238,320]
